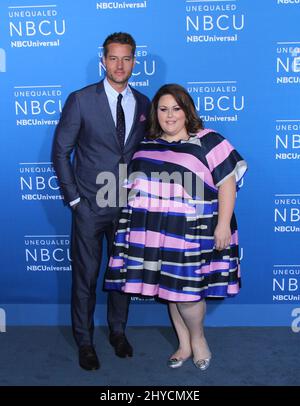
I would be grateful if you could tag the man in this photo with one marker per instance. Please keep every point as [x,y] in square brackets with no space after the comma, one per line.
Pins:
[102,129]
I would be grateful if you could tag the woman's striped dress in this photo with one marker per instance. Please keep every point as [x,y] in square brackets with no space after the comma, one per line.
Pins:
[164,244]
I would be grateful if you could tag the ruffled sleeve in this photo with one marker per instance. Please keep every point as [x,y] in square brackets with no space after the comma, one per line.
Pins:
[223,159]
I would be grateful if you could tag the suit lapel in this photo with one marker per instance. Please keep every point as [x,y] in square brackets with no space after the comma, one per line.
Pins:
[104,108]
[137,114]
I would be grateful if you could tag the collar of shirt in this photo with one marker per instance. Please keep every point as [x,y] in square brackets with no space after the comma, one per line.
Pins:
[112,94]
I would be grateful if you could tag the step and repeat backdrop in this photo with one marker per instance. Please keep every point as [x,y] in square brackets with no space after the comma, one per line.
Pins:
[239,60]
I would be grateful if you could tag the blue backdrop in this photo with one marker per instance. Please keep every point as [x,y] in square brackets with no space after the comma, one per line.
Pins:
[240,61]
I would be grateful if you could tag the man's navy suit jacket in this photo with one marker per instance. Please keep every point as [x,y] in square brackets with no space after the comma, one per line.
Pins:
[87,129]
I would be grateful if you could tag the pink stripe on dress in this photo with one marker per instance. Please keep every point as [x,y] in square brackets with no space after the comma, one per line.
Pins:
[234,238]
[154,290]
[177,297]
[186,160]
[218,154]
[155,239]
[233,289]
[157,205]
[213,266]
[141,288]
[160,188]
[116,262]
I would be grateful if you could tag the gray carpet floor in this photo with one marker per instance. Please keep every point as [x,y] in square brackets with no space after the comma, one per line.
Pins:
[42,356]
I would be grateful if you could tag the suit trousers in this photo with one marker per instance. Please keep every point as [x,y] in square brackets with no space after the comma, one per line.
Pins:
[88,230]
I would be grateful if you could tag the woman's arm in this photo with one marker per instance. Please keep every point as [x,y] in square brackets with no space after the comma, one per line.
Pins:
[226,197]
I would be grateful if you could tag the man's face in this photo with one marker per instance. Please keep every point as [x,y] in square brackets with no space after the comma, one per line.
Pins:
[119,64]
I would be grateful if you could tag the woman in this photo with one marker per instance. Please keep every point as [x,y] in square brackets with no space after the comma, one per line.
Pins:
[177,238]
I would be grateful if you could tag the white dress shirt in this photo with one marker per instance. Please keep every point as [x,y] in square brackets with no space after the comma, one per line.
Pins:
[128,104]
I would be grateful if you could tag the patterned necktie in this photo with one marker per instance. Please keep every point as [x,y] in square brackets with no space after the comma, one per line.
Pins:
[120,121]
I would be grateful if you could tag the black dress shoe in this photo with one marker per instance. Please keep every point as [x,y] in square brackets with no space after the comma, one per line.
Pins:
[121,345]
[88,358]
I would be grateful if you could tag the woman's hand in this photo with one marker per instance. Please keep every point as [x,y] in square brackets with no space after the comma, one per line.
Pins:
[222,236]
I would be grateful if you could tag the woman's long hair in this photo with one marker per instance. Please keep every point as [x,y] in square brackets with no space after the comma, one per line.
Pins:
[183,99]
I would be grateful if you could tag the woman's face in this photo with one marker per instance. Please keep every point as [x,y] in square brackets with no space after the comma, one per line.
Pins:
[171,118]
